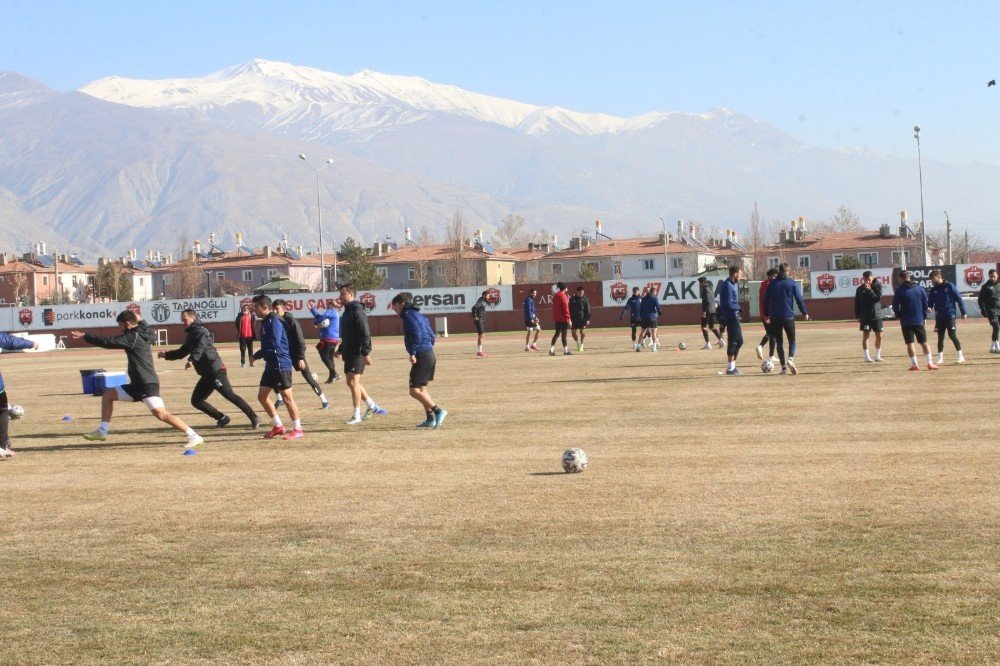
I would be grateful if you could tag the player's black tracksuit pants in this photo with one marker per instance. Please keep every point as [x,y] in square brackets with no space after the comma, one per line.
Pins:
[218,381]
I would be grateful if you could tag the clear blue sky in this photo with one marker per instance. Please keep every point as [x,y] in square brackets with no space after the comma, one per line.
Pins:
[832,74]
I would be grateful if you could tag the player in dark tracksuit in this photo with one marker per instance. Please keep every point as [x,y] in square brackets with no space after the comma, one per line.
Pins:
[579,315]
[868,312]
[212,375]
[649,312]
[297,350]
[479,321]
[729,312]
[328,324]
[989,306]
[768,338]
[943,297]
[909,304]
[418,338]
[277,375]
[531,323]
[632,307]
[356,348]
[780,299]
[709,313]
[8,342]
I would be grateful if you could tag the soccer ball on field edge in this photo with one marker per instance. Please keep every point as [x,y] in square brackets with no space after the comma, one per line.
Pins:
[15,411]
[682,345]
[574,460]
[766,367]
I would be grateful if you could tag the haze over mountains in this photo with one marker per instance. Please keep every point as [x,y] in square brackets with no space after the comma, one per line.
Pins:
[145,164]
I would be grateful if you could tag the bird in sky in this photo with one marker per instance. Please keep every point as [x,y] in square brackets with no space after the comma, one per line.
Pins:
[991,83]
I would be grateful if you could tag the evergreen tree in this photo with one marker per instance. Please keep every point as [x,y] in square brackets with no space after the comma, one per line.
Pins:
[358,267]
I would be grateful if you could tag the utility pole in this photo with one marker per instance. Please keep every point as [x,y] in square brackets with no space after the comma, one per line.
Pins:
[947,227]
[55,255]
[920,171]
[666,270]
[967,255]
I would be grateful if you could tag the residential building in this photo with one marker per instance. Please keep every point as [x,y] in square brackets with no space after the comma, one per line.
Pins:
[872,249]
[412,266]
[36,279]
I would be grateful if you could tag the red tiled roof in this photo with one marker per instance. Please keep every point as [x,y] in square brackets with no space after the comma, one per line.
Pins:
[851,240]
[652,245]
[410,253]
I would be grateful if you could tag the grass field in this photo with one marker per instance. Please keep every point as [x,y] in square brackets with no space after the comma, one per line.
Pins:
[849,514]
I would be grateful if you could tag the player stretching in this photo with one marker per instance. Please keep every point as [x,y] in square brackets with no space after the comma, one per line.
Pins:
[989,305]
[418,338]
[297,349]
[212,376]
[649,311]
[479,320]
[531,322]
[709,315]
[910,305]
[328,324]
[356,348]
[943,297]
[868,312]
[560,318]
[768,334]
[729,310]
[632,307]
[780,299]
[143,384]
[8,342]
[579,314]
[277,375]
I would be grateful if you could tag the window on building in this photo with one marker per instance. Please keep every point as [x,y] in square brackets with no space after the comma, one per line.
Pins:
[648,264]
[219,275]
[835,260]
[557,269]
[1,279]
[411,274]
[677,262]
[896,255]
[440,271]
[45,280]
[803,261]
[382,271]
[869,259]
[142,281]
[773,262]
[167,279]
[617,265]
[271,272]
[248,276]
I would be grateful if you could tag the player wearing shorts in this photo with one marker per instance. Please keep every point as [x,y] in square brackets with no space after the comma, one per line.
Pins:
[579,316]
[10,343]
[943,298]
[418,338]
[135,340]
[649,311]
[868,312]
[778,306]
[909,303]
[768,338]
[531,322]
[632,308]
[709,313]
[328,325]
[212,375]
[356,348]
[989,306]
[277,375]
[479,321]
[560,319]
[729,311]
[297,349]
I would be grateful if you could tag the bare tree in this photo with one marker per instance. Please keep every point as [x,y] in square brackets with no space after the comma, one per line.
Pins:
[427,236]
[963,244]
[458,270]
[844,220]
[19,280]
[512,233]
[760,235]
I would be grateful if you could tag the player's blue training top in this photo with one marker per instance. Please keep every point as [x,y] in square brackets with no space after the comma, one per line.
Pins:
[910,304]
[418,336]
[11,343]
[649,306]
[781,297]
[274,344]
[729,300]
[943,298]
[529,311]
[328,323]
[632,307]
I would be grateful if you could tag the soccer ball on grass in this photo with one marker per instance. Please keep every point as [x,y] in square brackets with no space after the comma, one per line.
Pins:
[767,367]
[682,346]
[574,461]
[15,411]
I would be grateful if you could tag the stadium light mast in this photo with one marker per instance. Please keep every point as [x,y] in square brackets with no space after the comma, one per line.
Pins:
[319,218]
[920,172]
[333,243]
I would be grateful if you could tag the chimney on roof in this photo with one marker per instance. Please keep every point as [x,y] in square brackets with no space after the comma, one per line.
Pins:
[783,236]
[132,254]
[239,238]
[885,231]
[553,242]
[3,258]
[406,234]
[663,238]
[267,251]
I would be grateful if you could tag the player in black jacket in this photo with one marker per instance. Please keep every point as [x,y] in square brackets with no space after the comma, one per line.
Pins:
[356,348]
[579,316]
[143,384]
[709,314]
[989,305]
[868,312]
[297,349]
[212,375]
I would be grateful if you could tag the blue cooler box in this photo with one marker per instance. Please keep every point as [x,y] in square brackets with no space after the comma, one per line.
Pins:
[106,380]
[89,378]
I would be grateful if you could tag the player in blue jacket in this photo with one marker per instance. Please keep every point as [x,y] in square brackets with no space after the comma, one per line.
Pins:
[943,297]
[649,312]
[729,314]
[531,322]
[10,343]
[780,299]
[277,376]
[418,338]
[909,303]
[327,322]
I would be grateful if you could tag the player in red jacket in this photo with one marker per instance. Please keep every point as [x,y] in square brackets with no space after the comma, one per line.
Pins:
[560,315]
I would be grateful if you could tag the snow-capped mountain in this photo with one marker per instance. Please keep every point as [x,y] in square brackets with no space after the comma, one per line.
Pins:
[291,98]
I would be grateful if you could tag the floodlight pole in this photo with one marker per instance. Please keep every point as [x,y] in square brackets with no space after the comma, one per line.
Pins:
[319,219]
[920,171]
